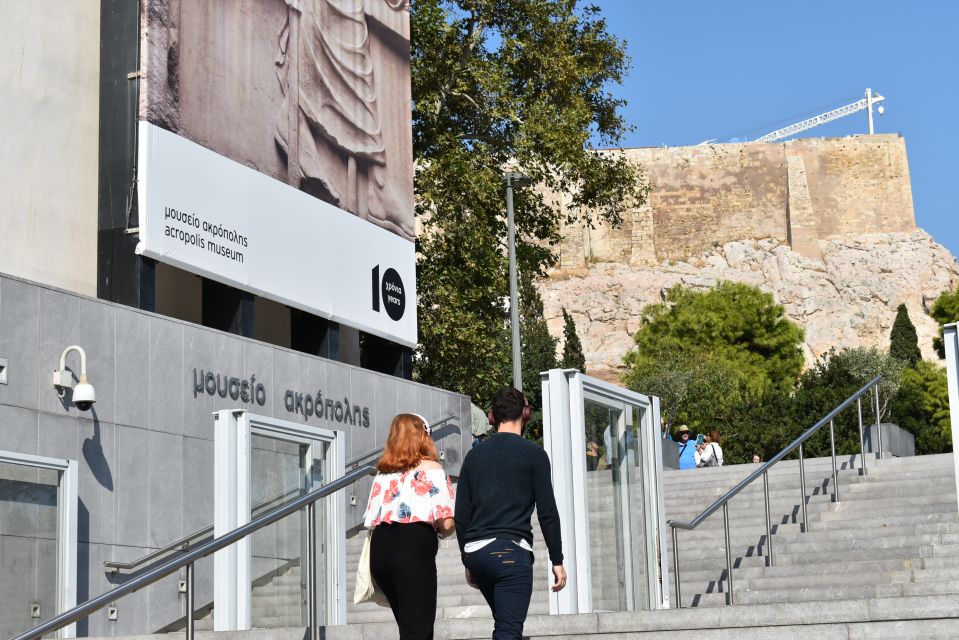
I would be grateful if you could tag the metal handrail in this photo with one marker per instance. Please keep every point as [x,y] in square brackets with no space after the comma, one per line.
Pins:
[763,471]
[187,558]
[355,462]
[184,542]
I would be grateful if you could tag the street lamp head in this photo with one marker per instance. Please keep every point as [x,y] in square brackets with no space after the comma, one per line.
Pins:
[517,179]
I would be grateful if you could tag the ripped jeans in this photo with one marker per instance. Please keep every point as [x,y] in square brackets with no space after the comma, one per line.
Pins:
[504,573]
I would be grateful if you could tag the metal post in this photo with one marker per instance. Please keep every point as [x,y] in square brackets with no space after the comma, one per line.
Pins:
[862,442]
[869,109]
[835,472]
[878,423]
[190,608]
[679,592]
[802,490]
[513,293]
[311,571]
[729,557]
[769,529]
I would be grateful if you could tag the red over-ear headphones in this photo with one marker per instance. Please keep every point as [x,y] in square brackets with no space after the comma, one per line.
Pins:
[527,413]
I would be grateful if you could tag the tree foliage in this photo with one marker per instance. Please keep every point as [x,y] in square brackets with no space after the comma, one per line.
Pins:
[903,341]
[835,377]
[697,389]
[539,353]
[921,406]
[732,323]
[518,84]
[945,310]
[573,357]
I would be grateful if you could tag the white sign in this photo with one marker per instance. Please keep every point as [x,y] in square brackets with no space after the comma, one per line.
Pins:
[207,214]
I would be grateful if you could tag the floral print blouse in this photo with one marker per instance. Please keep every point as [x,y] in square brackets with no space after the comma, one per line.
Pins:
[411,496]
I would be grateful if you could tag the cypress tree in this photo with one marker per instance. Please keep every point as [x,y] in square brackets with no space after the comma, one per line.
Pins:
[573,357]
[903,341]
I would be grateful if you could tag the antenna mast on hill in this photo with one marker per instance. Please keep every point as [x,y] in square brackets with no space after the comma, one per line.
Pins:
[866,103]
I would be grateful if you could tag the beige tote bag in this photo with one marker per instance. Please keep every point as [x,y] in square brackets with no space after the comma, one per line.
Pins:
[366,590]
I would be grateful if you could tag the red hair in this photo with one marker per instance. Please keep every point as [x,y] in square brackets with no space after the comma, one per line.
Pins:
[407,445]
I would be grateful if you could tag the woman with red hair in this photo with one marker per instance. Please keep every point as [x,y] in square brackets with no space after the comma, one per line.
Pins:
[411,503]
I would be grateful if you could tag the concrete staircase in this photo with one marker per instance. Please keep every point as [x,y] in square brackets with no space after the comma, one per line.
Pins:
[882,563]
[894,533]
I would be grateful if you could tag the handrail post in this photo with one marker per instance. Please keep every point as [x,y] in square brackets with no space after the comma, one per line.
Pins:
[835,472]
[679,592]
[190,606]
[311,571]
[862,441]
[802,490]
[729,557]
[878,423]
[769,530]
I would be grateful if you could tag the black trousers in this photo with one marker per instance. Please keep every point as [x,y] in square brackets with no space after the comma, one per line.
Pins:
[403,564]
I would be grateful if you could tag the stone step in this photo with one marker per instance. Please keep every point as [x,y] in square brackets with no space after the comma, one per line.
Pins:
[883,618]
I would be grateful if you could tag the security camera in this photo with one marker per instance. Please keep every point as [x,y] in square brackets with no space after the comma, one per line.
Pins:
[83,394]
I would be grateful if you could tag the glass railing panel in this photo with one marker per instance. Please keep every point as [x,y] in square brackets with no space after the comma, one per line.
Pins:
[278,551]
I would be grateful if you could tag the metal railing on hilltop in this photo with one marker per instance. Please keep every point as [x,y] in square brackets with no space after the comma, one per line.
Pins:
[763,471]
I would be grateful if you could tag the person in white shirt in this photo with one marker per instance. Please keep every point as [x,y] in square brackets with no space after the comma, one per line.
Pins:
[709,453]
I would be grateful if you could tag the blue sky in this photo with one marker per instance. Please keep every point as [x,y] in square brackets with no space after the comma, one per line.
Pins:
[703,70]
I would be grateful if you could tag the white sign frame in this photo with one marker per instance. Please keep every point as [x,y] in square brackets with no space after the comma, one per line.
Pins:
[204,213]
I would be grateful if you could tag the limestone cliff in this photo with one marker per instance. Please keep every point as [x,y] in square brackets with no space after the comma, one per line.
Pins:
[846,299]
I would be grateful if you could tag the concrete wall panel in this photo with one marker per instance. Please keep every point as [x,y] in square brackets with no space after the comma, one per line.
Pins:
[49,68]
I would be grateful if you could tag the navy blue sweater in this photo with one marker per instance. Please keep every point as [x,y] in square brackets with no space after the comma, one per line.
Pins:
[500,482]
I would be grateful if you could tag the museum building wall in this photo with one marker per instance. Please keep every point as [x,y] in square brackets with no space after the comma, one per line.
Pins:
[145,450]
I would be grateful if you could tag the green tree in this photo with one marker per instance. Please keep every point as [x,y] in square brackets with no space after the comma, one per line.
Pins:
[835,377]
[539,353]
[573,357]
[921,406]
[694,388]
[903,341]
[944,310]
[732,322]
[518,84]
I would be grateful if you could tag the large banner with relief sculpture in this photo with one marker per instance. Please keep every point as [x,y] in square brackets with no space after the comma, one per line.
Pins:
[275,152]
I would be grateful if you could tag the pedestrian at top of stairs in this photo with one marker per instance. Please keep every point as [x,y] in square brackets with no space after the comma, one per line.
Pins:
[411,502]
[686,447]
[502,479]
[709,453]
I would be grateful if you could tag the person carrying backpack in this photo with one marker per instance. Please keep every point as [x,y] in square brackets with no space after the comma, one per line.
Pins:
[709,453]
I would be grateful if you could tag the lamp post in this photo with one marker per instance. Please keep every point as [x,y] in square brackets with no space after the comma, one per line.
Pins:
[514,180]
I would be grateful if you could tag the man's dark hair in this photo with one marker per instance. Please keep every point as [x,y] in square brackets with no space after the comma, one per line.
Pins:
[508,404]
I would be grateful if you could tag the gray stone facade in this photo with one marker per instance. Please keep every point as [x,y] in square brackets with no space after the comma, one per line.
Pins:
[145,450]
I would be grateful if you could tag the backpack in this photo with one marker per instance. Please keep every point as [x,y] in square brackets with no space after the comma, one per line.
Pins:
[713,460]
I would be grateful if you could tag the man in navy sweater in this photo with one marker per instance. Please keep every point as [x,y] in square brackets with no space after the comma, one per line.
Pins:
[500,482]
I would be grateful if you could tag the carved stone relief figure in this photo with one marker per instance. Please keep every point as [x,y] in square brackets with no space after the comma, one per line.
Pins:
[325,71]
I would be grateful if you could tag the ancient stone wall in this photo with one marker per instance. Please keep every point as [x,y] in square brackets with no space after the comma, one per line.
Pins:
[802,192]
